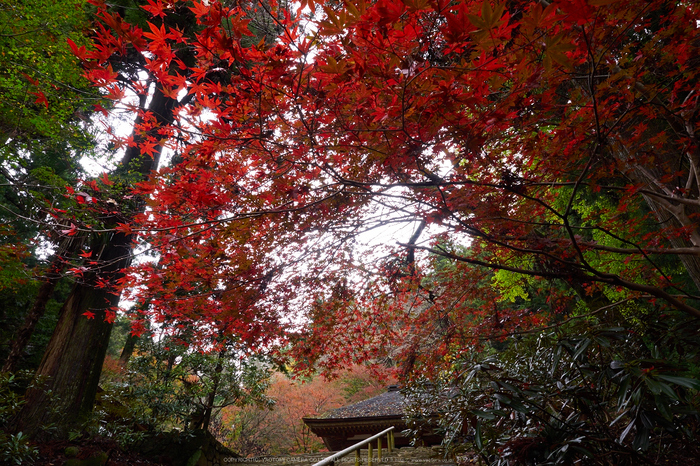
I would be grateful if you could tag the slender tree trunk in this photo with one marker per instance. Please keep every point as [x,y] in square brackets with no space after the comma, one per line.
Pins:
[73,360]
[206,420]
[53,275]
[128,349]
[131,340]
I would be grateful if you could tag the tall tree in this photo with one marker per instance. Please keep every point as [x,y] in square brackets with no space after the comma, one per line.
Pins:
[44,130]
[123,61]
[73,359]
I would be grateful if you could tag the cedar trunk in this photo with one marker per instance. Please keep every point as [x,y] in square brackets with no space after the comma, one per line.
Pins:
[128,349]
[53,275]
[71,366]
[73,359]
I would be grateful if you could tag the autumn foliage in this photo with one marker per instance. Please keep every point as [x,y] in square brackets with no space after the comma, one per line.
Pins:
[557,140]
[278,428]
[411,182]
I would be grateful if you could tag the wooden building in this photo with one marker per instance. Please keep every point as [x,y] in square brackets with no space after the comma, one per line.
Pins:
[345,426]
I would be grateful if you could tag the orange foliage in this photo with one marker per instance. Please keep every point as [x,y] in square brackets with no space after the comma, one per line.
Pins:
[279,429]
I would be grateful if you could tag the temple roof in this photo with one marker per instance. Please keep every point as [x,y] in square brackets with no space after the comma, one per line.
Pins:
[389,403]
[342,427]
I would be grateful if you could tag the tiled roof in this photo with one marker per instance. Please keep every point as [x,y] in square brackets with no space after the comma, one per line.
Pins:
[389,403]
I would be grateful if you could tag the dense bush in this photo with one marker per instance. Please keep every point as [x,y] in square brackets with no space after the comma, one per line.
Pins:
[14,447]
[172,385]
[580,393]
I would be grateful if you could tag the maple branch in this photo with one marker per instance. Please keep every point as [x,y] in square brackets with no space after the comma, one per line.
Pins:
[504,241]
[644,251]
[680,214]
[600,277]
[670,197]
[411,258]
[490,265]
[558,324]
[680,200]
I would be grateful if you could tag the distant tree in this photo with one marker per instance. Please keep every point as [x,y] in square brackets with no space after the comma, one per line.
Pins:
[278,428]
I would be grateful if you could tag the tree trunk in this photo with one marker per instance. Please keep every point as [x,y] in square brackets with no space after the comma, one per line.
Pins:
[131,340]
[53,275]
[691,263]
[73,360]
[211,398]
[667,199]
[128,349]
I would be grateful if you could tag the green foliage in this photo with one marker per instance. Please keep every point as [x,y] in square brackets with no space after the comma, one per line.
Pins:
[37,61]
[14,273]
[352,385]
[45,108]
[45,128]
[585,392]
[16,449]
[512,285]
[11,386]
[168,385]
[15,301]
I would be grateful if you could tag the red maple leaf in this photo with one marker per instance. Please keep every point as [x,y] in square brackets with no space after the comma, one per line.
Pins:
[71,231]
[40,98]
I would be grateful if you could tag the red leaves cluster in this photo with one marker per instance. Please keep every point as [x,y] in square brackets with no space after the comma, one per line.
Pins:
[502,122]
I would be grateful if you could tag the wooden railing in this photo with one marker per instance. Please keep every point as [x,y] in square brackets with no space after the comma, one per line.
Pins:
[356,448]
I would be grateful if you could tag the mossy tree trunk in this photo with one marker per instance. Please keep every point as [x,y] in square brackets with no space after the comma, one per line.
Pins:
[73,359]
[71,367]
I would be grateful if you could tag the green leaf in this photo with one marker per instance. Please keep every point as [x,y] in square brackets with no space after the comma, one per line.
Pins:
[619,417]
[507,386]
[657,387]
[485,415]
[626,431]
[581,347]
[662,407]
[555,363]
[641,440]
[477,436]
[623,389]
[646,419]
[682,381]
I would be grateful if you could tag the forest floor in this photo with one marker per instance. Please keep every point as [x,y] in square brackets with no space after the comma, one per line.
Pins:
[104,451]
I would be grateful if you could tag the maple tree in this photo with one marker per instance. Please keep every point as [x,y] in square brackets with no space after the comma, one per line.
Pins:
[547,133]
[551,142]
[73,360]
